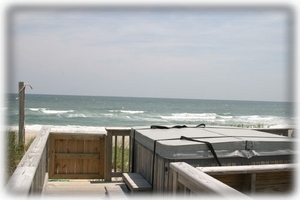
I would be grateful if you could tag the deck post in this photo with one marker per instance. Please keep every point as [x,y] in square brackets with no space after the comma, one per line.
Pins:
[175,182]
[108,150]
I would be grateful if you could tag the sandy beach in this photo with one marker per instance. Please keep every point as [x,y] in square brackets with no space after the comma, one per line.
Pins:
[29,136]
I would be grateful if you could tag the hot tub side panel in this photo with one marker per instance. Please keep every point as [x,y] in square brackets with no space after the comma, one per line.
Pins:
[143,161]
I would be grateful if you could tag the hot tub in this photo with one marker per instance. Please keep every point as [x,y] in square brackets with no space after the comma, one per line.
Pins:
[154,149]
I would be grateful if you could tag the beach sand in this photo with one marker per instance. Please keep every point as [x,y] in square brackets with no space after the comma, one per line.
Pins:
[29,136]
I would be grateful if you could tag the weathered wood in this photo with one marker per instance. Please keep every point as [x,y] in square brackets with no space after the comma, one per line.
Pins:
[136,182]
[115,153]
[77,136]
[30,173]
[21,180]
[175,182]
[72,155]
[77,156]
[116,141]
[256,178]
[245,169]
[198,181]
[77,176]
[108,153]
[116,191]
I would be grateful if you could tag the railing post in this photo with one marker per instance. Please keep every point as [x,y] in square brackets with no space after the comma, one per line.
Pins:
[108,163]
[175,182]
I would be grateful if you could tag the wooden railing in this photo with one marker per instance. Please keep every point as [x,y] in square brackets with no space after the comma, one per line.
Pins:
[188,180]
[118,152]
[30,174]
[255,179]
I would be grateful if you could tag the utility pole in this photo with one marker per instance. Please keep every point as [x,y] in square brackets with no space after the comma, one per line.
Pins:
[22,114]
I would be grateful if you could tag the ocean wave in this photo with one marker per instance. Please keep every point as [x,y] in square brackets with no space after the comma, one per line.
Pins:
[56,111]
[191,116]
[77,116]
[132,111]
[36,109]
[46,111]
[127,111]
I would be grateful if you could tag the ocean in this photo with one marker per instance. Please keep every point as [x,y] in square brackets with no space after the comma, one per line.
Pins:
[99,111]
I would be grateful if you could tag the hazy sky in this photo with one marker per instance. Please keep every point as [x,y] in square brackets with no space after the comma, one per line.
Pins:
[200,53]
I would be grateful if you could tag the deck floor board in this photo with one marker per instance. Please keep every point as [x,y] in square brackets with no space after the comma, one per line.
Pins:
[78,187]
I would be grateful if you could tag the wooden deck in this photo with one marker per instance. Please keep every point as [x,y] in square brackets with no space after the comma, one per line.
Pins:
[84,187]
[94,156]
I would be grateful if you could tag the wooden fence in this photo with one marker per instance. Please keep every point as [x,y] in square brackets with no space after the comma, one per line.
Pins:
[77,155]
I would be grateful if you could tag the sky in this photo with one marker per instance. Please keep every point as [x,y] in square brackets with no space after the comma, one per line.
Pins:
[168,52]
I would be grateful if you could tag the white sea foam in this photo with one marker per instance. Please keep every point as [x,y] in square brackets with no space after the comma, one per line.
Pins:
[56,111]
[34,109]
[225,117]
[190,116]
[127,111]
[77,116]
[131,111]
[44,110]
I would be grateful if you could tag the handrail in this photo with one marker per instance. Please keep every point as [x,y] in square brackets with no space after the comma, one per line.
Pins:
[115,136]
[248,169]
[253,173]
[200,183]
[30,174]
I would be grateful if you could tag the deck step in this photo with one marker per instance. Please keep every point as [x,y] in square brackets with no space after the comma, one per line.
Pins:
[116,191]
[136,182]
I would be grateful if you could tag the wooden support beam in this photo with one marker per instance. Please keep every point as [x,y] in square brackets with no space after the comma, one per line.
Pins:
[108,152]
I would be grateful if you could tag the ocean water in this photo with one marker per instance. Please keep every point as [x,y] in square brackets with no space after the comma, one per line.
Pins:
[97,111]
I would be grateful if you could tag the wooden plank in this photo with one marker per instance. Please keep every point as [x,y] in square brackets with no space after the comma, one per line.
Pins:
[33,155]
[274,181]
[76,176]
[175,182]
[246,169]
[116,191]
[102,158]
[78,135]
[122,159]
[27,178]
[77,156]
[136,182]
[115,153]
[120,131]
[52,156]
[21,180]
[108,155]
